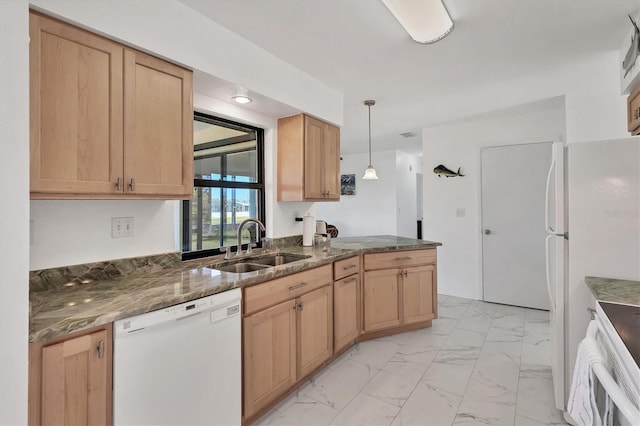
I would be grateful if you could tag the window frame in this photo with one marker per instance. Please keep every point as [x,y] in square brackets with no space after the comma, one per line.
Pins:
[206,183]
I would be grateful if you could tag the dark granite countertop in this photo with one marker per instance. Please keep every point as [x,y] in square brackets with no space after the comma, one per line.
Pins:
[614,290]
[59,306]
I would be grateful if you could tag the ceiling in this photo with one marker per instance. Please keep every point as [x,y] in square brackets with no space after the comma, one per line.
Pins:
[358,47]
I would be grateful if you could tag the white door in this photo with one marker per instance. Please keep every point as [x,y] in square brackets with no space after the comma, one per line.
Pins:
[513,236]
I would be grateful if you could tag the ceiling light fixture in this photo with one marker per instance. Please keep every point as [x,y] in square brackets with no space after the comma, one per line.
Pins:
[426,21]
[370,172]
[242,99]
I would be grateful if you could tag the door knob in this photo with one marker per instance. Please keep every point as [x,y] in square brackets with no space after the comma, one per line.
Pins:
[487,232]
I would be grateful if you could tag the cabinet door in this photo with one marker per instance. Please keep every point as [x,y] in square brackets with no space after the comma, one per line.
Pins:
[417,294]
[269,355]
[75,383]
[331,160]
[345,311]
[75,106]
[315,328]
[314,187]
[158,132]
[633,112]
[380,293]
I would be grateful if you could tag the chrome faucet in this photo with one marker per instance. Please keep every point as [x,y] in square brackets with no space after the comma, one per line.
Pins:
[244,222]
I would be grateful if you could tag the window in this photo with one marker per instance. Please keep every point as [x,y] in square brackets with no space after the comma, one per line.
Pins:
[228,186]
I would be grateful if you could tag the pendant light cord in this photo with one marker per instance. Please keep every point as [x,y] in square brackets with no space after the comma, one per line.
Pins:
[369,135]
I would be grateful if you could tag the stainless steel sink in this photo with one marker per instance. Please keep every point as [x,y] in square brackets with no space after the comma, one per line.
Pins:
[239,268]
[251,264]
[278,259]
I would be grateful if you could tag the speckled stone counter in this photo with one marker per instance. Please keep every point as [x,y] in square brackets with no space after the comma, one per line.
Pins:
[102,292]
[615,291]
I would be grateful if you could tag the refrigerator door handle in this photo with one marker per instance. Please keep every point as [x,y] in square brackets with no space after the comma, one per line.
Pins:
[547,259]
[547,227]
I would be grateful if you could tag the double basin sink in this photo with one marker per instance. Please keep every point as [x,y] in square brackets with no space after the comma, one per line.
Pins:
[257,263]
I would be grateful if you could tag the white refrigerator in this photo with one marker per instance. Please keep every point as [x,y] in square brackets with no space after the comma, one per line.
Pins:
[593,228]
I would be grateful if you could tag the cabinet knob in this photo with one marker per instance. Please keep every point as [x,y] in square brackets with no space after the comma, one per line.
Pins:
[119,185]
[132,184]
[487,232]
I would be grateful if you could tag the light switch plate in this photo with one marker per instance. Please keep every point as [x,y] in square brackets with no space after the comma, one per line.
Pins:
[121,227]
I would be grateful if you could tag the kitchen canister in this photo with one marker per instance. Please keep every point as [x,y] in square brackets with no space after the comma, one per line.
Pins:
[308,229]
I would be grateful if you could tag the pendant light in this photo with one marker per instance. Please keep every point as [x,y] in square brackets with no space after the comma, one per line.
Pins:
[370,172]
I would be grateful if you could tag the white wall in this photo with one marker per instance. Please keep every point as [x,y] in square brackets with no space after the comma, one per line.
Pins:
[79,231]
[458,145]
[14,210]
[383,206]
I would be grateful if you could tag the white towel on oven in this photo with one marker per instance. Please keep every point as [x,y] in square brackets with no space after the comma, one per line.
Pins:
[582,406]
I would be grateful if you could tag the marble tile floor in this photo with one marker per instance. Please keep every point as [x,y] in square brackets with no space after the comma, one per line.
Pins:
[480,364]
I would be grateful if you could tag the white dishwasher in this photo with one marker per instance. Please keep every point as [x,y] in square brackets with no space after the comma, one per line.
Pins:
[180,365]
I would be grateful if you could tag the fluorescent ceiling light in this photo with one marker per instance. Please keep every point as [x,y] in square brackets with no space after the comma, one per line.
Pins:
[242,99]
[426,21]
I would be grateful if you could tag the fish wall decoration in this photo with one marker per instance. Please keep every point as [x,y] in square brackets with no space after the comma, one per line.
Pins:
[441,170]
[634,49]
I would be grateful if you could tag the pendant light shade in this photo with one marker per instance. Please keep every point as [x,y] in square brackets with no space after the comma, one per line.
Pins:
[370,172]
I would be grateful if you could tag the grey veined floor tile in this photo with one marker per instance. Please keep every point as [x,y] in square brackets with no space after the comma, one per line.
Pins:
[479,364]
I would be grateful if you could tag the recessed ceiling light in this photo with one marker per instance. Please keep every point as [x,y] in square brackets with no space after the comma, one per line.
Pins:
[242,99]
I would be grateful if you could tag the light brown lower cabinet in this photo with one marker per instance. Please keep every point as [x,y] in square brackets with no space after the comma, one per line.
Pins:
[402,292]
[269,354]
[417,294]
[286,342]
[345,311]
[315,328]
[381,304]
[70,379]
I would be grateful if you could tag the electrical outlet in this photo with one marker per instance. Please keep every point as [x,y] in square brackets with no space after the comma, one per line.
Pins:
[121,227]
[460,212]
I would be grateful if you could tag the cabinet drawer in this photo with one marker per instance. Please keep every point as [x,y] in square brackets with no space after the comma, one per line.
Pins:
[267,294]
[346,267]
[399,259]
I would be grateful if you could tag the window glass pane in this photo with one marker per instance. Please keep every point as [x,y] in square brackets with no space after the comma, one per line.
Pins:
[207,168]
[216,214]
[242,166]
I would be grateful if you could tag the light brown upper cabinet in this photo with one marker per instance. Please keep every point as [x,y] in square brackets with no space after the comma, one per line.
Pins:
[633,111]
[106,121]
[308,159]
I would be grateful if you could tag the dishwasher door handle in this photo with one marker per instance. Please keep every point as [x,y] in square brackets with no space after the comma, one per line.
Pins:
[189,316]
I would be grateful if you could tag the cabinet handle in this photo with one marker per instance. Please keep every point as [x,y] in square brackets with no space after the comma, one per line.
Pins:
[349,267]
[348,280]
[404,258]
[293,287]
[132,185]
[300,306]
[119,185]
[100,349]
[405,273]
